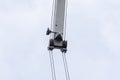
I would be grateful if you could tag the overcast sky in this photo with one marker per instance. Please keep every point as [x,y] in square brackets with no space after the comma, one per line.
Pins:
[93,34]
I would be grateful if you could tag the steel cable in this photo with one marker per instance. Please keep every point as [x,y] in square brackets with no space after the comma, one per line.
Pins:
[52,65]
[65,66]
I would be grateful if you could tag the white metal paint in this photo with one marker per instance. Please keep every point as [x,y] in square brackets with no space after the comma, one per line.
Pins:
[59,14]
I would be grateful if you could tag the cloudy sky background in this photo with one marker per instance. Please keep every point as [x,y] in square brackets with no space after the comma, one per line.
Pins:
[93,34]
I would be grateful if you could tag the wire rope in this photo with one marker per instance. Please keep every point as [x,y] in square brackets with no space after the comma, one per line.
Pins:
[52,65]
[65,66]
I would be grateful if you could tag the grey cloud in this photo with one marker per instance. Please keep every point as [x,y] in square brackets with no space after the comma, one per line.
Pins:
[93,50]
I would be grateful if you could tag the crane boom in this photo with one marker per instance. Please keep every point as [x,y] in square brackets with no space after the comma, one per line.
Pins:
[58,32]
[59,16]
[57,42]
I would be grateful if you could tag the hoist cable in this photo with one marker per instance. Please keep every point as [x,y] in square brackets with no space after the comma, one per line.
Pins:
[65,66]
[52,65]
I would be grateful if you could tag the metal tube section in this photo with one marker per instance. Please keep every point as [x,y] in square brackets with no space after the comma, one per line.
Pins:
[65,66]
[59,16]
[52,65]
